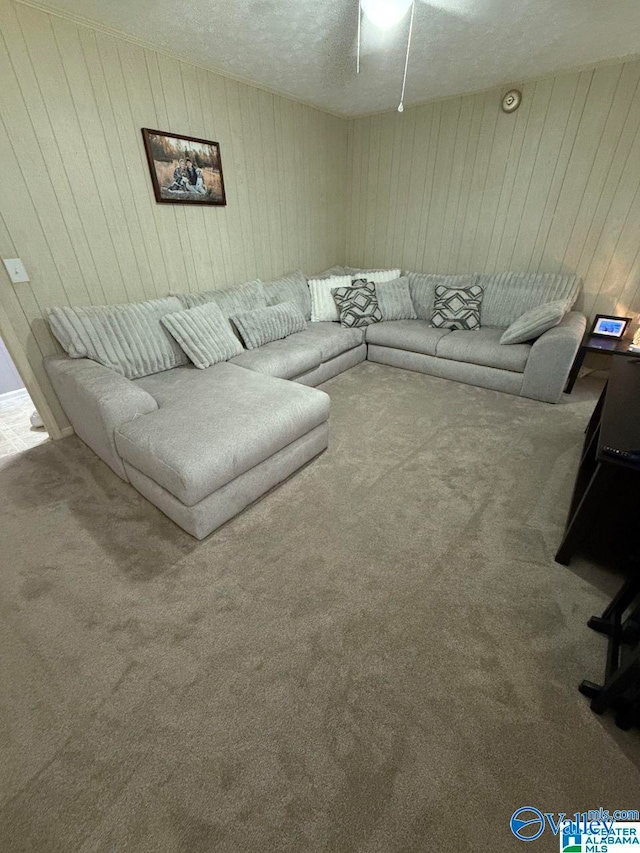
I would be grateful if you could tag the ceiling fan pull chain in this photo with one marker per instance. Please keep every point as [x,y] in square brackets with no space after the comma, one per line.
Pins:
[406,59]
[359,28]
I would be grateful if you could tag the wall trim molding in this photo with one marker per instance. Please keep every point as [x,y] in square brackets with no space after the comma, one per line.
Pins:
[12,395]
[82,21]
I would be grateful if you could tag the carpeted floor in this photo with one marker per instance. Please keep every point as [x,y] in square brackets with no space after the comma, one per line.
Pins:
[380,657]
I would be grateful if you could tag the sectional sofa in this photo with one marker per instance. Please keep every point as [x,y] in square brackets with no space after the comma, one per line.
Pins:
[204,444]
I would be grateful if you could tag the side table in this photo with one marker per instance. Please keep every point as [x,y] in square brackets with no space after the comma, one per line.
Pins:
[604,346]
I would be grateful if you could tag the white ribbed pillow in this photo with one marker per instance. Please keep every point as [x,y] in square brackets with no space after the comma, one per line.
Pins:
[323,306]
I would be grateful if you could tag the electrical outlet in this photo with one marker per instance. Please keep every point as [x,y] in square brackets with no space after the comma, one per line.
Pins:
[16,270]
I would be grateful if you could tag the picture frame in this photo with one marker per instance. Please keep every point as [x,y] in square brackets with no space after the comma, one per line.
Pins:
[184,169]
[610,326]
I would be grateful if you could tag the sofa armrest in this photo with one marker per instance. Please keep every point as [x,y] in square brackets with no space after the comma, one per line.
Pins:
[551,357]
[97,401]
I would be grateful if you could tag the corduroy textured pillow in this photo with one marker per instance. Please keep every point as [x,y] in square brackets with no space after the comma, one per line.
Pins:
[269,324]
[204,333]
[323,306]
[535,322]
[394,298]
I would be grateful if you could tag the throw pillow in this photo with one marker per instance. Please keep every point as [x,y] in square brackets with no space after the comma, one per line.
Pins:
[422,287]
[323,306]
[262,325]
[357,305]
[128,338]
[457,307]
[204,333]
[292,287]
[394,299]
[535,322]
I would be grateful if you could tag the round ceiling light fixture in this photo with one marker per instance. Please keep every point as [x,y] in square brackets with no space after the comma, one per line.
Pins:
[511,101]
[385,14]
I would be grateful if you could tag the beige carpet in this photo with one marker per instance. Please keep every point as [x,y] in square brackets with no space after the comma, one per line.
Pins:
[380,657]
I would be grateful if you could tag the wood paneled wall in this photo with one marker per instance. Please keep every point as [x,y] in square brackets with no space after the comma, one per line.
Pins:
[451,186]
[76,202]
[458,185]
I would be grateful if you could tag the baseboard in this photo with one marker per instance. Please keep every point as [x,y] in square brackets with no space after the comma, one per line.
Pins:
[12,395]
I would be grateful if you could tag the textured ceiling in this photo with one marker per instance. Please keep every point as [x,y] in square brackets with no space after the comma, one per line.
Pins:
[306,48]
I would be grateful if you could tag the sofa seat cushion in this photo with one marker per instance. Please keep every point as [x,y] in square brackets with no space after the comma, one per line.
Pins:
[330,338]
[284,359]
[205,434]
[482,346]
[412,335]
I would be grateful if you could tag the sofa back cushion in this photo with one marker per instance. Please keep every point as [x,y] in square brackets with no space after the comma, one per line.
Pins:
[263,325]
[422,287]
[129,338]
[509,295]
[332,271]
[292,287]
[204,333]
[231,300]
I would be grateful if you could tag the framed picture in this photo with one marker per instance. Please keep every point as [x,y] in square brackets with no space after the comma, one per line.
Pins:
[605,326]
[184,170]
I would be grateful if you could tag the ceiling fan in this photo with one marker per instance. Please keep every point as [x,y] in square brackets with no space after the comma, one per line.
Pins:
[386,14]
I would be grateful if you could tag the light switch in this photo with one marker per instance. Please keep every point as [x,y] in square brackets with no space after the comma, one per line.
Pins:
[16,270]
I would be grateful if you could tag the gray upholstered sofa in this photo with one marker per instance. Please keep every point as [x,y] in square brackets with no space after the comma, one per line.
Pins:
[537,369]
[203,444]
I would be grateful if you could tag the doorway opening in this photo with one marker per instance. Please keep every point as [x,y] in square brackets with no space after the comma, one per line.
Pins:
[21,427]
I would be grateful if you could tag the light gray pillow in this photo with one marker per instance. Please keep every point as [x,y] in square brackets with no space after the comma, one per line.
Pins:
[394,299]
[262,325]
[422,286]
[231,300]
[204,333]
[129,338]
[535,322]
[292,287]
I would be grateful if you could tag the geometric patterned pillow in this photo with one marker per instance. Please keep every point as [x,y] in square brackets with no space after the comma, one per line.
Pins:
[357,305]
[457,307]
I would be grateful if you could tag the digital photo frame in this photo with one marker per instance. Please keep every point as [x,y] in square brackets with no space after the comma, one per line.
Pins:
[607,326]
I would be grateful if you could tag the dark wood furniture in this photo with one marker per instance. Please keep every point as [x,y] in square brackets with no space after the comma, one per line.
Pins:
[603,346]
[601,478]
[620,622]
